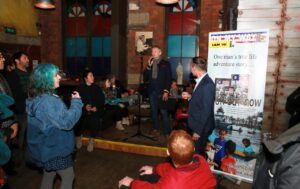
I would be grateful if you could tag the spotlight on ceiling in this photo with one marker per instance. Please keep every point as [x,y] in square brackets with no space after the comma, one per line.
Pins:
[166,2]
[44,4]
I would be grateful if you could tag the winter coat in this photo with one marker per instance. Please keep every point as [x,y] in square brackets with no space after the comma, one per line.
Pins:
[278,167]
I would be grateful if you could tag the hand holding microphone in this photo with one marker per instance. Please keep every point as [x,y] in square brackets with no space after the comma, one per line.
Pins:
[150,61]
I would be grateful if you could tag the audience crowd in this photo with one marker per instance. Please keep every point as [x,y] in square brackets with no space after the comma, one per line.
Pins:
[36,125]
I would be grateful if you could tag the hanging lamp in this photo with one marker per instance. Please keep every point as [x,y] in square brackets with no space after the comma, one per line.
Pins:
[166,2]
[44,4]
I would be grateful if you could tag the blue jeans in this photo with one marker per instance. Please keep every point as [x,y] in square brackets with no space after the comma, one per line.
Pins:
[154,113]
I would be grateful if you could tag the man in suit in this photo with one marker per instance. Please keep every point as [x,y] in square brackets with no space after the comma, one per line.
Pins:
[201,120]
[158,75]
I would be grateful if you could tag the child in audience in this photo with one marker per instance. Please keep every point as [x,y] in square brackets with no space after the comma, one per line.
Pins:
[228,162]
[219,144]
[174,90]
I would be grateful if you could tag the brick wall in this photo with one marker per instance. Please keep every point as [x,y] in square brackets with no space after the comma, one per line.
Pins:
[51,35]
[156,25]
[52,44]
[208,22]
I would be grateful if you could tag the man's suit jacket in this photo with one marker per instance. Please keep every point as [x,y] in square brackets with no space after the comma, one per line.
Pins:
[201,107]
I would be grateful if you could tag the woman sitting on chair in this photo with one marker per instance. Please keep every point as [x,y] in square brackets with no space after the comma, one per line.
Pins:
[114,105]
[93,99]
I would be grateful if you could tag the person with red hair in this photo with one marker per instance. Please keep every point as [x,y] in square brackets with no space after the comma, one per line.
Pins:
[187,170]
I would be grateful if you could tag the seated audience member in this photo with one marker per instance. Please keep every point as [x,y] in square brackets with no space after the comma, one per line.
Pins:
[219,144]
[187,170]
[120,90]
[228,162]
[174,90]
[112,107]
[174,97]
[93,99]
[181,114]
[183,103]
[278,166]
[189,88]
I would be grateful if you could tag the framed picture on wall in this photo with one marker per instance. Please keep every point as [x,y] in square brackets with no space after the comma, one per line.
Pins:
[143,42]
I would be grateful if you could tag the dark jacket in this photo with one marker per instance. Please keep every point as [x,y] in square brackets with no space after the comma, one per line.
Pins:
[50,127]
[278,167]
[292,106]
[164,77]
[18,81]
[201,107]
[92,95]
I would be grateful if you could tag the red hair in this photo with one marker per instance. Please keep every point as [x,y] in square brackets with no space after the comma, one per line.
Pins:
[181,147]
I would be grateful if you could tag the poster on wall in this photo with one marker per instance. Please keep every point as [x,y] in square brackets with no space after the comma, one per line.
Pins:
[143,42]
[237,63]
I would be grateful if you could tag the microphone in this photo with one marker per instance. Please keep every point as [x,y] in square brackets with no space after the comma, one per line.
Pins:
[151,61]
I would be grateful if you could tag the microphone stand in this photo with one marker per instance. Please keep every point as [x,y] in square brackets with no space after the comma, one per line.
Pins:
[139,131]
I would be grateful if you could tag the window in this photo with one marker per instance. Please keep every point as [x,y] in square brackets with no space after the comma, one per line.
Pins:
[88,36]
[182,39]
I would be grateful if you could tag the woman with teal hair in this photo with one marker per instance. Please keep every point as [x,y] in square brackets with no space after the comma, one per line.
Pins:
[50,135]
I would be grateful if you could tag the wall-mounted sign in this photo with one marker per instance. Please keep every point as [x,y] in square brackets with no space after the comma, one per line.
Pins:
[10,30]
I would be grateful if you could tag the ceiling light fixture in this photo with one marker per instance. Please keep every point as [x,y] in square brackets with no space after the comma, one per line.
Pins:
[166,2]
[44,4]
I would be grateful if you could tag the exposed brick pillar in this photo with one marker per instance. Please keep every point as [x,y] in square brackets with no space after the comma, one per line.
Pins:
[51,35]
[208,22]
[156,25]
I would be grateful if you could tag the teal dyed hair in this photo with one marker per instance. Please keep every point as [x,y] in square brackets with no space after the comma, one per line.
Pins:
[42,79]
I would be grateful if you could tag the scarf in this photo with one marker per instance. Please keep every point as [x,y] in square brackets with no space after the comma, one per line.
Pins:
[155,68]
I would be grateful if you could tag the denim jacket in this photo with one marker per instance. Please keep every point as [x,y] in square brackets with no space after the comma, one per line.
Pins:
[50,127]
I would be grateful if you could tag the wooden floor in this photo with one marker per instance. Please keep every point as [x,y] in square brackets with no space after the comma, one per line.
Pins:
[100,169]
[128,135]
[103,168]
